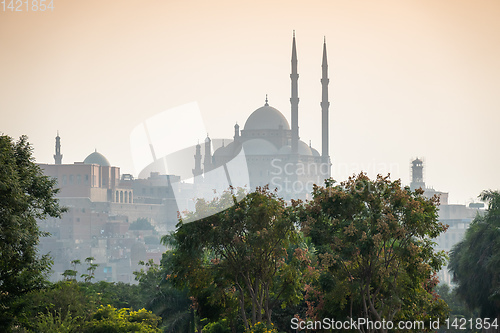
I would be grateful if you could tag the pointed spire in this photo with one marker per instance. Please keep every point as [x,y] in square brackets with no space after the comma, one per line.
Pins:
[236,131]
[325,63]
[267,104]
[294,99]
[294,54]
[58,156]
[325,104]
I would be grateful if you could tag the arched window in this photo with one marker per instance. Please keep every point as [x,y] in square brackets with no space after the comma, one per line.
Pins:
[126,197]
[121,196]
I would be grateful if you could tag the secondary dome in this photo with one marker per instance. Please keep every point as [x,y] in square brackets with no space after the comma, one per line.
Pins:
[302,149]
[265,118]
[259,147]
[97,158]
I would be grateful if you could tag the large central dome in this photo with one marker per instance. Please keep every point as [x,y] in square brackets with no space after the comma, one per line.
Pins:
[266,118]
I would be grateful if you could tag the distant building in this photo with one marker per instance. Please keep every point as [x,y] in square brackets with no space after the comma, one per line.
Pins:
[101,207]
[417,181]
[457,217]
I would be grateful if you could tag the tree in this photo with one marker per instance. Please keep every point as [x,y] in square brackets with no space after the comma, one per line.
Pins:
[375,252]
[173,305]
[108,319]
[475,261]
[141,224]
[25,196]
[240,254]
[458,310]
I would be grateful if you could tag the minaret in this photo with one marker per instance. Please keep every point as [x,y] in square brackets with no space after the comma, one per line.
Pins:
[197,162]
[236,132]
[324,109]
[207,163]
[58,156]
[294,99]
[417,174]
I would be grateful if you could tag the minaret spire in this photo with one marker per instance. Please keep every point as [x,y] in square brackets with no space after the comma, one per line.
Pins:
[294,99]
[207,162]
[197,171]
[324,110]
[58,156]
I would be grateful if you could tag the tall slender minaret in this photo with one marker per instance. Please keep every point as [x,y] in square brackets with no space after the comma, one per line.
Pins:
[236,132]
[58,156]
[207,162]
[324,109]
[294,99]
[197,162]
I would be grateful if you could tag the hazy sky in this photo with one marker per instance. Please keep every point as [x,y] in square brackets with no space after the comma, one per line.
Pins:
[407,78]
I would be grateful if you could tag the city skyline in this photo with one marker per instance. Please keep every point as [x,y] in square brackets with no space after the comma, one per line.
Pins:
[407,79]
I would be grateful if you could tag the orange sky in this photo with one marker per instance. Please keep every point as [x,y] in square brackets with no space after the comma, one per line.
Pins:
[407,78]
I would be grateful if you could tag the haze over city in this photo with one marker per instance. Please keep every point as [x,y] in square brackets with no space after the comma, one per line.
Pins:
[407,78]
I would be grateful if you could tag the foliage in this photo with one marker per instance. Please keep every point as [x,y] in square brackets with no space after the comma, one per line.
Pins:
[141,224]
[78,300]
[458,309]
[25,196]
[174,306]
[261,327]
[221,326]
[52,305]
[108,319]
[375,251]
[56,323]
[475,261]
[238,258]
[91,269]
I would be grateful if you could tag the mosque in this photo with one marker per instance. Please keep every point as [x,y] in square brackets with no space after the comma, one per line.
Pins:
[274,153]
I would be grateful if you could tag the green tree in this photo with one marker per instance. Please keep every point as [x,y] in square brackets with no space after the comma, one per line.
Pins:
[108,319]
[53,304]
[161,298]
[90,269]
[458,310]
[141,224]
[239,254]
[25,196]
[375,251]
[475,261]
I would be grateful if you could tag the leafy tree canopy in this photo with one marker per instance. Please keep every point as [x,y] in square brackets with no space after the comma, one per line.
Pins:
[475,261]
[375,251]
[239,254]
[141,224]
[25,196]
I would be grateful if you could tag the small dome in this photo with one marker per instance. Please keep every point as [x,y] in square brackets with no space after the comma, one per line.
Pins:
[266,117]
[304,149]
[259,147]
[97,158]
[285,150]
[231,149]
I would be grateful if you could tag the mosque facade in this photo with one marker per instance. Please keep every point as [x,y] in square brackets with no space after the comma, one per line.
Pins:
[274,153]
